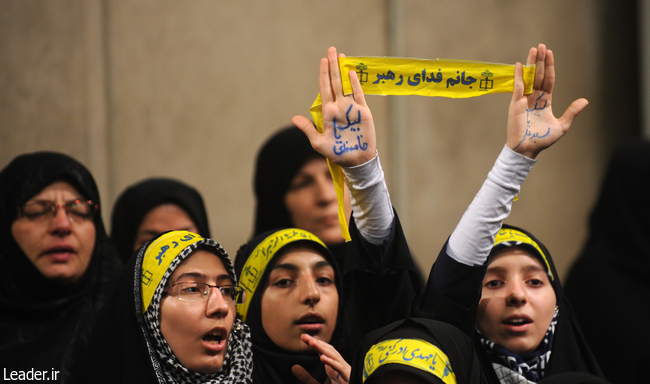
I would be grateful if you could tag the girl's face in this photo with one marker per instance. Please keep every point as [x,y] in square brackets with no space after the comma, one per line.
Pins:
[60,246]
[163,218]
[518,302]
[300,296]
[311,202]
[198,331]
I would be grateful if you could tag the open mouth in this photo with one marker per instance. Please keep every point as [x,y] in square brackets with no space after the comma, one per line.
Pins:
[214,337]
[516,322]
[311,323]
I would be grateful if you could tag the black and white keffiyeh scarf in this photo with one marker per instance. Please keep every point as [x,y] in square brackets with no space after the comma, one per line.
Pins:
[238,362]
[524,368]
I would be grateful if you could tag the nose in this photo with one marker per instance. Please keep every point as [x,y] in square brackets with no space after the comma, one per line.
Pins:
[60,224]
[309,292]
[216,305]
[325,192]
[516,295]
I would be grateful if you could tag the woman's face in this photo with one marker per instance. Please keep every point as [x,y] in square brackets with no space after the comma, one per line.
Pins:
[518,302]
[198,331]
[300,296]
[163,218]
[60,247]
[311,202]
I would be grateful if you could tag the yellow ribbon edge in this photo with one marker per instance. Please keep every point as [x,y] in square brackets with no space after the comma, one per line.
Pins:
[157,258]
[415,353]
[509,234]
[261,256]
[498,78]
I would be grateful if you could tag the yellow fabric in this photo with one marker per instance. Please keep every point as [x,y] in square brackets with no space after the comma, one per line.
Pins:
[411,352]
[404,76]
[159,254]
[518,236]
[260,257]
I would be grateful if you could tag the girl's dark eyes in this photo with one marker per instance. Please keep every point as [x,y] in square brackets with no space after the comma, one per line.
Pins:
[324,281]
[535,282]
[283,283]
[493,284]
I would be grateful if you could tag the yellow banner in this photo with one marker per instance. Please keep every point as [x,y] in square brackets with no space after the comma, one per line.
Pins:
[157,258]
[415,353]
[402,76]
[512,235]
[256,263]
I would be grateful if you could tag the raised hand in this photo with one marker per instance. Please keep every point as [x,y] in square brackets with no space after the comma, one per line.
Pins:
[348,136]
[532,127]
[338,370]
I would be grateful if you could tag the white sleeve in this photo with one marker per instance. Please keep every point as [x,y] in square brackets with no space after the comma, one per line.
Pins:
[371,206]
[473,238]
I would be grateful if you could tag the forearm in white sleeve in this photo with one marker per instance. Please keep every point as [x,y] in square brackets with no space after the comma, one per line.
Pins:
[473,238]
[371,206]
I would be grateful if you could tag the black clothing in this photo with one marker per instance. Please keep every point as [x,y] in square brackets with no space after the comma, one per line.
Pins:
[569,351]
[44,324]
[377,287]
[609,284]
[278,161]
[137,200]
[456,346]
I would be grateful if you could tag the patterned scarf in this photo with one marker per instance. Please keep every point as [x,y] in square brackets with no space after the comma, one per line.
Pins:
[526,368]
[238,362]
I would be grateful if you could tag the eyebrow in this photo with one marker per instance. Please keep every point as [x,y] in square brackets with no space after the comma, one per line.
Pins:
[203,277]
[528,268]
[293,267]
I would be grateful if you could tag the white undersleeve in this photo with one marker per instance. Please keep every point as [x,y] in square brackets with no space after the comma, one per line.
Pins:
[473,238]
[371,206]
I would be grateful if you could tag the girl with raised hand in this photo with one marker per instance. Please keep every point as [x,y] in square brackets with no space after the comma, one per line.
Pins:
[506,294]
[297,293]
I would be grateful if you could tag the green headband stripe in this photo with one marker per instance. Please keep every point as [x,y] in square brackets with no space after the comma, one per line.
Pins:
[255,266]
[414,353]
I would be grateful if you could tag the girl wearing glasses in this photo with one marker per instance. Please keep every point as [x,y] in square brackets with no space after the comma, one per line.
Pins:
[57,263]
[171,319]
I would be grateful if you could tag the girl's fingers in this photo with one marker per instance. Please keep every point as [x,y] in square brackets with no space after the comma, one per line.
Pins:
[540,70]
[335,73]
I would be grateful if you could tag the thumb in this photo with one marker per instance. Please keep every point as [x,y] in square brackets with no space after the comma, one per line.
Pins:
[574,109]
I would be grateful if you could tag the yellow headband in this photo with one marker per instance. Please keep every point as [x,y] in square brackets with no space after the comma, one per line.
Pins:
[411,352]
[159,254]
[256,263]
[515,236]
[401,76]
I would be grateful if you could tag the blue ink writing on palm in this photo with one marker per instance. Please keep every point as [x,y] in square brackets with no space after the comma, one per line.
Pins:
[340,146]
[530,135]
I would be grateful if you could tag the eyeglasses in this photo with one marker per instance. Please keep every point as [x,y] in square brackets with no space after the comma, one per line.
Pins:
[77,210]
[191,291]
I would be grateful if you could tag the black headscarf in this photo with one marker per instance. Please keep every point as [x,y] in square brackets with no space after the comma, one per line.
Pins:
[272,363]
[609,284]
[127,346]
[569,350]
[137,200]
[433,351]
[42,323]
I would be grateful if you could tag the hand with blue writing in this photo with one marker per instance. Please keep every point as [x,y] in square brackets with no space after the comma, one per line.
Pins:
[338,370]
[531,125]
[348,137]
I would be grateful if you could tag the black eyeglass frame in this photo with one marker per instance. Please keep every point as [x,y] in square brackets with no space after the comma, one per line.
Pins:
[54,209]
